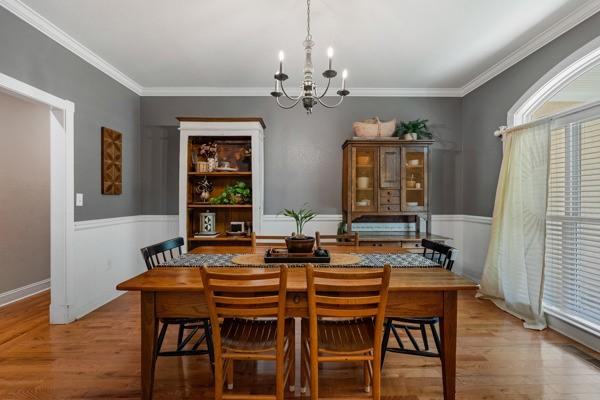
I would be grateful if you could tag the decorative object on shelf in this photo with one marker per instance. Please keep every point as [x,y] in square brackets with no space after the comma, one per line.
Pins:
[373,127]
[309,94]
[226,167]
[414,163]
[363,203]
[411,183]
[209,151]
[414,130]
[208,223]
[299,243]
[238,193]
[363,182]
[236,229]
[112,162]
[203,190]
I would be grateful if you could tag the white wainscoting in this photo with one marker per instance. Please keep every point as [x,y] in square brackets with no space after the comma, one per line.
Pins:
[107,252]
[470,235]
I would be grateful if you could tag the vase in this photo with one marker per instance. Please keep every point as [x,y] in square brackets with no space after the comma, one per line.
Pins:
[414,136]
[407,136]
[212,164]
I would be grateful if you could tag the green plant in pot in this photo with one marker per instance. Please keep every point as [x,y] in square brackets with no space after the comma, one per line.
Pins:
[299,242]
[239,193]
[413,130]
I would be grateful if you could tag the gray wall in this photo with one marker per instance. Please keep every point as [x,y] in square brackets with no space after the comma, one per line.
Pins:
[29,56]
[303,155]
[25,193]
[486,108]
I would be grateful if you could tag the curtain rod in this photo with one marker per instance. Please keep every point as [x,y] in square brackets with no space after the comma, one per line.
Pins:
[504,129]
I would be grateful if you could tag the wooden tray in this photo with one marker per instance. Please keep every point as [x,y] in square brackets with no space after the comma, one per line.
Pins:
[280,255]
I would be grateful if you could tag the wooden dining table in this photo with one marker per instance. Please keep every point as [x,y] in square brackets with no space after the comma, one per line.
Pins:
[177,292]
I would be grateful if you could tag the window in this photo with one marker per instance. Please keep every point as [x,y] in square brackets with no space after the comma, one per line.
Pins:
[572,275]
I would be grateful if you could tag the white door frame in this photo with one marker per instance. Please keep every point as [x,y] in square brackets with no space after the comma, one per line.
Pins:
[565,72]
[62,195]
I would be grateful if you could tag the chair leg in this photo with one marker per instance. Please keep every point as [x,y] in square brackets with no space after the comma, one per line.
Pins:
[292,355]
[303,356]
[376,380]
[209,344]
[367,377]
[180,335]
[230,375]
[218,378]
[424,336]
[161,338]
[314,367]
[436,339]
[386,337]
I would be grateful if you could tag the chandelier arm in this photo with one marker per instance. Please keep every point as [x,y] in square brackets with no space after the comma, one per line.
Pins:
[288,106]
[292,98]
[330,105]
[326,89]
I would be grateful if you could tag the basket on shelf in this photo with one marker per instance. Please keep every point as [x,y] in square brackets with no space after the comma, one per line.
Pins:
[373,127]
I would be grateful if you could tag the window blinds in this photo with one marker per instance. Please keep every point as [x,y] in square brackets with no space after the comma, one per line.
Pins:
[572,274]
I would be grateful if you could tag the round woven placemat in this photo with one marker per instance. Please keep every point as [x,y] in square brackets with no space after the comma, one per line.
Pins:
[259,259]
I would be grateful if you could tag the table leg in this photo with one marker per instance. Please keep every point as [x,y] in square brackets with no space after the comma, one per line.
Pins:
[149,331]
[448,333]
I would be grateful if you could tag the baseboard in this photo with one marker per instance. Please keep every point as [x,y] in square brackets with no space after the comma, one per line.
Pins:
[573,332]
[23,292]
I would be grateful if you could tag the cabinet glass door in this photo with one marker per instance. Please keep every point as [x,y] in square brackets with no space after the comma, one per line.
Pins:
[364,179]
[414,178]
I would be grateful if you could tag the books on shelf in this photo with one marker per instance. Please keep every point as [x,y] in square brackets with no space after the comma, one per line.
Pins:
[206,235]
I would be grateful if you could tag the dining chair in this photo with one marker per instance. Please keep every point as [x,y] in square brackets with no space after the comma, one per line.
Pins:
[188,328]
[268,240]
[443,255]
[247,311]
[344,239]
[345,311]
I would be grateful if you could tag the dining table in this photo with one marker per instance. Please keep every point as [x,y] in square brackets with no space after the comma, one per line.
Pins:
[417,288]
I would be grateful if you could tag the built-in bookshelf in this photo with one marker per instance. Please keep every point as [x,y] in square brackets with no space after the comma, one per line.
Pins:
[235,159]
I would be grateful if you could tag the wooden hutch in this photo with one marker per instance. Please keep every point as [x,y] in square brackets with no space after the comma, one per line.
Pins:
[239,158]
[387,181]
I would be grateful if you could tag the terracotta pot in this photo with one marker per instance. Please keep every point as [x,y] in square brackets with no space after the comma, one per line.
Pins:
[295,245]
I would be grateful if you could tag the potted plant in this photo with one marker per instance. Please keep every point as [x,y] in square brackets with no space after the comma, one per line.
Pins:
[413,130]
[298,242]
[239,193]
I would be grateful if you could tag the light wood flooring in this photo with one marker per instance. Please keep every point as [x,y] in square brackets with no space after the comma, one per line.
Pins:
[97,357]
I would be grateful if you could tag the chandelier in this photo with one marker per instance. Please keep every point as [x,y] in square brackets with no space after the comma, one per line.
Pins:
[309,93]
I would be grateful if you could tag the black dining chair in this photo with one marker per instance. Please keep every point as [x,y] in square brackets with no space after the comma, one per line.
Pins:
[443,255]
[188,338]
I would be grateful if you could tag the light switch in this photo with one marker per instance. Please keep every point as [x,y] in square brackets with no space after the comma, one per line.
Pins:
[79,200]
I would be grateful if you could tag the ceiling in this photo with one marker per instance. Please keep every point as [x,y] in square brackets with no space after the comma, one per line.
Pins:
[428,46]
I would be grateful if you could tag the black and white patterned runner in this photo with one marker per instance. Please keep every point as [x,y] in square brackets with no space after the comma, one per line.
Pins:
[404,260]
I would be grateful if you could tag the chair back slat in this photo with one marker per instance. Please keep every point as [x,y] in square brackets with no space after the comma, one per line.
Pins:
[152,254]
[347,294]
[345,239]
[439,252]
[268,240]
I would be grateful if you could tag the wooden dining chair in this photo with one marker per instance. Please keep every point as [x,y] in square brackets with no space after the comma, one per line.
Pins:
[443,255]
[268,240]
[346,311]
[247,311]
[188,328]
[344,239]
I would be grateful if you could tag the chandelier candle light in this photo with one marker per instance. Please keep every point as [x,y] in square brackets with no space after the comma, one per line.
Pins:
[308,90]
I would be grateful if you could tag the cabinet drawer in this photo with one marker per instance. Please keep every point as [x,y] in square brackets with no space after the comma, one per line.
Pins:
[391,207]
[389,193]
[384,200]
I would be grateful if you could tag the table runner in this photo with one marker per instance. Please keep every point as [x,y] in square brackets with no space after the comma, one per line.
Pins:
[396,260]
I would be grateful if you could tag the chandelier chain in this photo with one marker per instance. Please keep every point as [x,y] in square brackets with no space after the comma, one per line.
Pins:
[308,35]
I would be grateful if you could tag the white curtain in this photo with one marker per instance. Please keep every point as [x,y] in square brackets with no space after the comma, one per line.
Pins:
[514,267]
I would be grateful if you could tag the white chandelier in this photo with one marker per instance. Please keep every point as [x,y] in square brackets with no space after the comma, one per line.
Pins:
[308,90]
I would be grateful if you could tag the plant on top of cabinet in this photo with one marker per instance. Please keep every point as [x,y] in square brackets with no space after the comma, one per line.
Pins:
[239,193]
[299,243]
[413,130]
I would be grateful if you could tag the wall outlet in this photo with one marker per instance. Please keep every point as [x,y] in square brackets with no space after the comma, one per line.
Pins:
[79,200]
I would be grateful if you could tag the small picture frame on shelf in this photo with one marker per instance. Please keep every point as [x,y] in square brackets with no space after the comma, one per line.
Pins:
[237,227]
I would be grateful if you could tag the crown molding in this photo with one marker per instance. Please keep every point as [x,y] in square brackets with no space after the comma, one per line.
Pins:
[43,25]
[265,91]
[39,22]
[567,23]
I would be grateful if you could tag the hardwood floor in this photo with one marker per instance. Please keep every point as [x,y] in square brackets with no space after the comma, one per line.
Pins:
[97,357]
